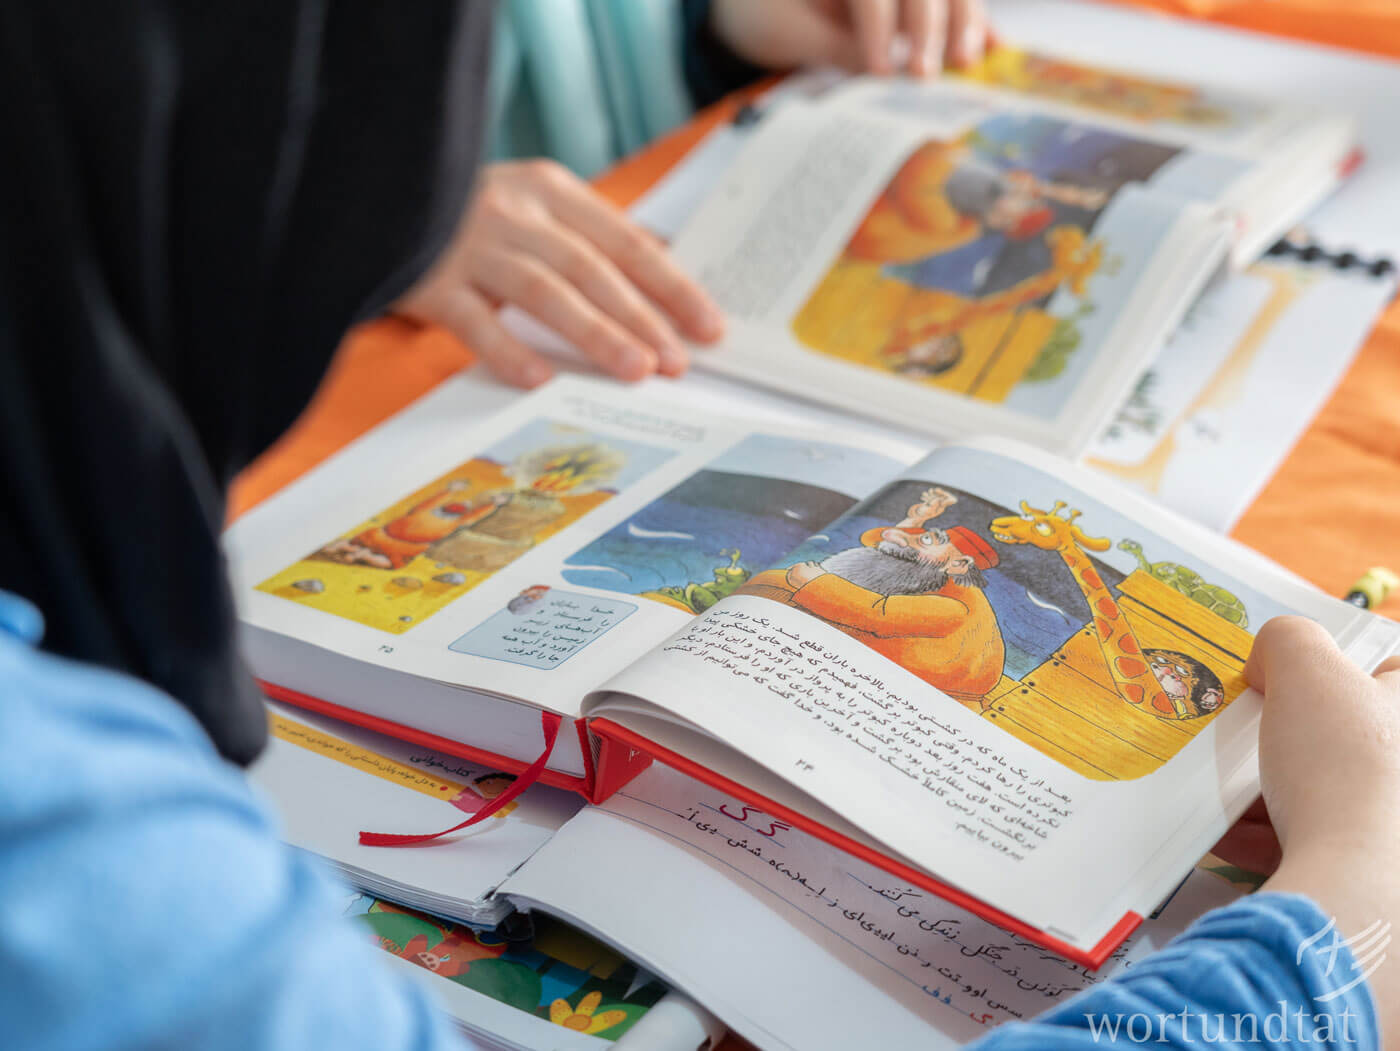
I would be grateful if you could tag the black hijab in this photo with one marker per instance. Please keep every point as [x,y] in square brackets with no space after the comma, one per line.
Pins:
[196,200]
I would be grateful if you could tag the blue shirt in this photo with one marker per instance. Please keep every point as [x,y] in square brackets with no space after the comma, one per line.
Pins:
[1236,980]
[145,902]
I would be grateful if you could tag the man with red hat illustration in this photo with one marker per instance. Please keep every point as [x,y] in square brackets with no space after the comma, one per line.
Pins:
[912,592]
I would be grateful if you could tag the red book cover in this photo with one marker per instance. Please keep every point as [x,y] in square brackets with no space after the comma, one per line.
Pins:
[504,763]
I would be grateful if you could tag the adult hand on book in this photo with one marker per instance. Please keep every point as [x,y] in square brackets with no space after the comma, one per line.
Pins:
[856,34]
[537,237]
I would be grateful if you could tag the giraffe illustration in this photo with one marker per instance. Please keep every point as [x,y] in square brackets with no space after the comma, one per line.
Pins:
[1128,666]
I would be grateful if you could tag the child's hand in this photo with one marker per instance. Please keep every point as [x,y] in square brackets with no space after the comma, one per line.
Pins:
[538,237]
[856,34]
[1329,759]
[1329,743]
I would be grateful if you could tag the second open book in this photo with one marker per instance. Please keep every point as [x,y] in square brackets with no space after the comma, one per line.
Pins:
[998,252]
[979,667]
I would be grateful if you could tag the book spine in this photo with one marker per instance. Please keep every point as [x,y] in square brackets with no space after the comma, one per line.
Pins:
[615,763]
[493,760]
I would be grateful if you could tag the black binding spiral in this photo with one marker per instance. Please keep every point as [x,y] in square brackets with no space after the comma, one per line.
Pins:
[1311,252]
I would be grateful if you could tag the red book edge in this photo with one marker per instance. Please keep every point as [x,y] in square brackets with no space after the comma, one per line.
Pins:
[1353,160]
[618,763]
[504,763]
[618,744]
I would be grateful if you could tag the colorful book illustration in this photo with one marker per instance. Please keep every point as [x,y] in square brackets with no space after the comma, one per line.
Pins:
[465,525]
[1000,252]
[839,632]
[1110,673]
[950,277]
[561,989]
[1122,94]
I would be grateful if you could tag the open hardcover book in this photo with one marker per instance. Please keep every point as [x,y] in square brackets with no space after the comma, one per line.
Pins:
[1009,682]
[1002,252]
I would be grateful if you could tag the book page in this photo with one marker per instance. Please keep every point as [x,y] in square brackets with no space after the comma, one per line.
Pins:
[1199,114]
[963,267]
[1239,62]
[1212,418]
[1046,670]
[533,554]
[760,922]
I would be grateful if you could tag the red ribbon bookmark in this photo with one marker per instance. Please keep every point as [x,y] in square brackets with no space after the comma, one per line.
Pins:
[550,723]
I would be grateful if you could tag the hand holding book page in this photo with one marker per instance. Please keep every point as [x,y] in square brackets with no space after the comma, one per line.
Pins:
[986,684]
[794,944]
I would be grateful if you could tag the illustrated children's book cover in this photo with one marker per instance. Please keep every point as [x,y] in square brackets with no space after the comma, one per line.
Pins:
[560,976]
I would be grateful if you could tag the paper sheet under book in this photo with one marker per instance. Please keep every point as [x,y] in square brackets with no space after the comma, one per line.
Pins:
[792,944]
[1215,415]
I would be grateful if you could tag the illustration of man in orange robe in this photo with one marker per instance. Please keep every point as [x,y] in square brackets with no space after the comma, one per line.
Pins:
[911,592]
[944,197]
[400,540]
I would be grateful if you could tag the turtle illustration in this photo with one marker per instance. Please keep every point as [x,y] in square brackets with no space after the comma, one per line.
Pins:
[1224,604]
[701,596]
